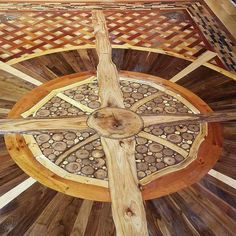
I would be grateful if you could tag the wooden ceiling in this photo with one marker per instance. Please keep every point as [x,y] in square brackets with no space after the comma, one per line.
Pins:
[205,208]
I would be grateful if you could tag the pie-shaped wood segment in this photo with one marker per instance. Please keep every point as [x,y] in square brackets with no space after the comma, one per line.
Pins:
[74,162]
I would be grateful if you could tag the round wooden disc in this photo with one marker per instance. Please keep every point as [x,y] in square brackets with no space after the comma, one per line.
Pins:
[115,123]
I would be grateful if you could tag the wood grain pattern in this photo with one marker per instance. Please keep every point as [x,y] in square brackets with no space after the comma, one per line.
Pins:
[127,204]
[28,125]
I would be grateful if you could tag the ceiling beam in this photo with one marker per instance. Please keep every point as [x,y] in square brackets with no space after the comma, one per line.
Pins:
[205,57]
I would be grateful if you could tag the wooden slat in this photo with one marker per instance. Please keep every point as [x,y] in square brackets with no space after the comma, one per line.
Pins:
[19,74]
[205,57]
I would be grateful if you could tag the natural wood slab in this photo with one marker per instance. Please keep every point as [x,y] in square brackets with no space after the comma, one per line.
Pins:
[34,125]
[127,204]
[189,119]
[108,79]
[115,123]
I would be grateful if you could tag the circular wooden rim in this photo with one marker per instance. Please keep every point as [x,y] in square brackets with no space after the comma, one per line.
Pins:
[208,152]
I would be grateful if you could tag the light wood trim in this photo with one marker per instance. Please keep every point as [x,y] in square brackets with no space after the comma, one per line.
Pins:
[75,103]
[4,110]
[127,203]
[189,118]
[141,102]
[81,221]
[15,192]
[19,74]
[205,57]
[32,125]
[38,105]
[164,142]
[224,178]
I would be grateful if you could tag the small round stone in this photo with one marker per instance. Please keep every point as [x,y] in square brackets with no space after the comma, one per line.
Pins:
[98,153]
[155,147]
[141,140]
[87,170]
[59,146]
[73,167]
[141,174]
[179,158]
[157,131]
[42,138]
[150,159]
[194,128]
[71,158]
[168,152]
[160,165]
[57,137]
[43,112]
[169,129]
[94,105]
[170,110]
[169,160]
[141,149]
[70,136]
[82,154]
[187,136]
[174,138]
[142,166]
[100,174]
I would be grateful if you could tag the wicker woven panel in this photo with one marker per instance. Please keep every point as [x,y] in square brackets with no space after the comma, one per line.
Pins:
[30,32]
[214,34]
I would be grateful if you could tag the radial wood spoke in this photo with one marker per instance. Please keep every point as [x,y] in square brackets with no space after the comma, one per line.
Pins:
[127,205]
[188,118]
[107,74]
[35,125]
[127,208]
